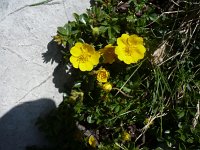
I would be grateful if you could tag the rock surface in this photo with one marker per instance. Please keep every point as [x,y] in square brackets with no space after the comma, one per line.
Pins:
[26,87]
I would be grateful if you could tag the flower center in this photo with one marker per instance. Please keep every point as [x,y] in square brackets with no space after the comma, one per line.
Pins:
[128,51]
[102,75]
[83,58]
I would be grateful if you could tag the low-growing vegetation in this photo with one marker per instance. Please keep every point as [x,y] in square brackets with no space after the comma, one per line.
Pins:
[136,77]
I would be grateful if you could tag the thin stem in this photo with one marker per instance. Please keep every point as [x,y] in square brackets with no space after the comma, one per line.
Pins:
[129,78]
[123,93]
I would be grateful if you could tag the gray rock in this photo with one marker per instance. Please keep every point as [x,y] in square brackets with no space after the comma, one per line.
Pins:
[25,32]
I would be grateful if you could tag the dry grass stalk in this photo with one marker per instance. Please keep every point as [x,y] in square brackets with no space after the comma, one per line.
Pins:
[159,54]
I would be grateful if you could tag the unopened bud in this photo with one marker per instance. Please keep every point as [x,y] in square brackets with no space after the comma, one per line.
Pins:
[107,87]
[95,31]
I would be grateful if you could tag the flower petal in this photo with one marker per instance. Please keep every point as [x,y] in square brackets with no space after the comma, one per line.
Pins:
[109,46]
[77,49]
[88,48]
[86,66]
[94,59]
[123,39]
[130,49]
[84,56]
[120,52]
[128,60]
[74,61]
[135,40]
[141,49]
[138,52]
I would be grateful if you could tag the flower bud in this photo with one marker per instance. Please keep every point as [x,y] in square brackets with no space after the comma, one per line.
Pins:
[92,141]
[95,31]
[107,87]
[126,136]
[102,75]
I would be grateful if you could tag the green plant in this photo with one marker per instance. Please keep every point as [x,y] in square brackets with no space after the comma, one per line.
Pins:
[146,98]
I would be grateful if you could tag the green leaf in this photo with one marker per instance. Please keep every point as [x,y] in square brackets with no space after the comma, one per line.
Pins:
[127,90]
[159,148]
[182,137]
[130,18]
[182,146]
[76,16]
[89,119]
[102,29]
[114,19]
[83,18]
[153,17]
[110,33]
[190,140]
[117,108]
[68,29]
[116,29]
[180,114]
[62,30]
[75,32]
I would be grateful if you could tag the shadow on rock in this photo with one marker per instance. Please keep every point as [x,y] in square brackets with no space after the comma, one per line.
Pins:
[62,74]
[63,77]
[61,130]
[17,127]
[53,53]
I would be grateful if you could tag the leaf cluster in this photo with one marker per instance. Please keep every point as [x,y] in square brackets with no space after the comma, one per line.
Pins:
[156,102]
[107,20]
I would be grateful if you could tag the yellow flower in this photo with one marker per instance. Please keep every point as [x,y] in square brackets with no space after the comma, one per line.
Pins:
[108,53]
[130,49]
[84,56]
[126,136]
[107,87]
[92,141]
[102,75]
